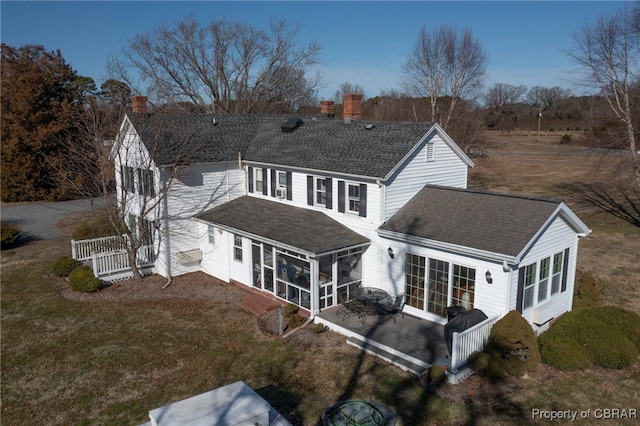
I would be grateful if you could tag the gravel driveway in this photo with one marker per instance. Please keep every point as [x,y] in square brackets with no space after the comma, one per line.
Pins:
[38,220]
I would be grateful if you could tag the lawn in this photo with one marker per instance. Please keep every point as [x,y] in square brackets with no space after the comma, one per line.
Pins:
[72,360]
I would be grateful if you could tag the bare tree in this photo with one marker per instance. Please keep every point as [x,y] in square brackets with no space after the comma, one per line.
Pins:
[608,50]
[501,94]
[445,63]
[348,88]
[230,67]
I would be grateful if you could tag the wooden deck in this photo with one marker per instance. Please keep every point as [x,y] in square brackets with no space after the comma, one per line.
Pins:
[411,343]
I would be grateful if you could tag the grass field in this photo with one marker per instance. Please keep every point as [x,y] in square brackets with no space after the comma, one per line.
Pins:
[80,361]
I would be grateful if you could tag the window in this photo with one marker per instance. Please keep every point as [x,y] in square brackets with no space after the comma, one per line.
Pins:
[141,230]
[145,183]
[464,283]
[282,179]
[237,247]
[128,179]
[415,273]
[259,185]
[543,282]
[557,273]
[321,191]
[438,287]
[431,151]
[529,284]
[211,233]
[354,198]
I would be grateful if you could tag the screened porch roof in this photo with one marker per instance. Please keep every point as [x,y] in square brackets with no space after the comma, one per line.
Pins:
[308,231]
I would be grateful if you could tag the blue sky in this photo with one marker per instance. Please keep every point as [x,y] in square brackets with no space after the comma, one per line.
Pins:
[363,42]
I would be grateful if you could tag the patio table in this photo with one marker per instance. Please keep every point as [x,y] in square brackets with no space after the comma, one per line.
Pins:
[371,299]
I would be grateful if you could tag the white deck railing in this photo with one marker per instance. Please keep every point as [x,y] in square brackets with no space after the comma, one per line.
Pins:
[108,254]
[84,249]
[469,341]
[112,262]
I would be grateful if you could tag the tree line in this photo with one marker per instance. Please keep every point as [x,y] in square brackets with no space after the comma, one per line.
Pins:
[234,67]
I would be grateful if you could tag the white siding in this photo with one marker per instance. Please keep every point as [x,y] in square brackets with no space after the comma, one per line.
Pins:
[205,187]
[555,239]
[490,298]
[447,169]
[216,256]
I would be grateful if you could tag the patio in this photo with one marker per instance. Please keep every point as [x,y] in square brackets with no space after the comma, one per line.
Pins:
[411,343]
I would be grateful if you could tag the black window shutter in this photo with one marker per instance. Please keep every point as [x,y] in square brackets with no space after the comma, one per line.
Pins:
[329,186]
[250,174]
[565,270]
[140,182]
[341,196]
[520,295]
[273,182]
[289,187]
[265,190]
[363,200]
[310,190]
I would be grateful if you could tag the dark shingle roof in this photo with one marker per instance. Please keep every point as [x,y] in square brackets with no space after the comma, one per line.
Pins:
[496,223]
[308,230]
[320,143]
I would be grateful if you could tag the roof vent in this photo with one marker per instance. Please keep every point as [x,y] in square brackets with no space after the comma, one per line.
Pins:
[290,125]
[214,121]
[369,126]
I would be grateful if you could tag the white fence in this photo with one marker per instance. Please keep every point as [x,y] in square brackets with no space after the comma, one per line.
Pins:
[108,255]
[469,341]
[112,262]
[84,249]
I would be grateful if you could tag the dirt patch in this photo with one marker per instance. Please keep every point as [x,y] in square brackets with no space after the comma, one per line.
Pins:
[308,336]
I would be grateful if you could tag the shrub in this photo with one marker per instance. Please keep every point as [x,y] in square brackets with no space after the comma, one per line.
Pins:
[82,279]
[9,234]
[589,290]
[318,328]
[566,139]
[512,348]
[436,376]
[99,226]
[289,310]
[63,266]
[296,320]
[607,336]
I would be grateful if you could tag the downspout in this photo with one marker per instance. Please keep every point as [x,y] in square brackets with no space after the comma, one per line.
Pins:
[167,238]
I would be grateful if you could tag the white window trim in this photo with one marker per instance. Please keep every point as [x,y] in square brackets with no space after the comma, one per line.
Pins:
[536,284]
[211,234]
[237,247]
[349,198]
[317,191]
[258,171]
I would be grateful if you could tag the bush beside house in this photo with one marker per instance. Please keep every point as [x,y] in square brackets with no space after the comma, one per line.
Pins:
[63,266]
[607,336]
[83,280]
[511,349]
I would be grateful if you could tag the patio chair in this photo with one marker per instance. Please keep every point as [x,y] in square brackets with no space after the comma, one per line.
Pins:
[391,309]
[349,307]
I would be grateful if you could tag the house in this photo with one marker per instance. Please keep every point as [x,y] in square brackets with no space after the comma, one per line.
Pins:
[306,207]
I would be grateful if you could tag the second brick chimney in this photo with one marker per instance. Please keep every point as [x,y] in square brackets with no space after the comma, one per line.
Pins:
[352,106]
[326,108]
[139,104]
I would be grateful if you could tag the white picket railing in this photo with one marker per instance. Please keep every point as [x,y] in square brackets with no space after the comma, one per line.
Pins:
[469,341]
[84,249]
[112,262]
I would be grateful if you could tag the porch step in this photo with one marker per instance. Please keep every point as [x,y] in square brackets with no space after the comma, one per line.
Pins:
[397,360]
[257,304]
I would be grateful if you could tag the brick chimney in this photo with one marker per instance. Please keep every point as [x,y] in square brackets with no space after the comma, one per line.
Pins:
[352,106]
[139,104]
[326,108]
